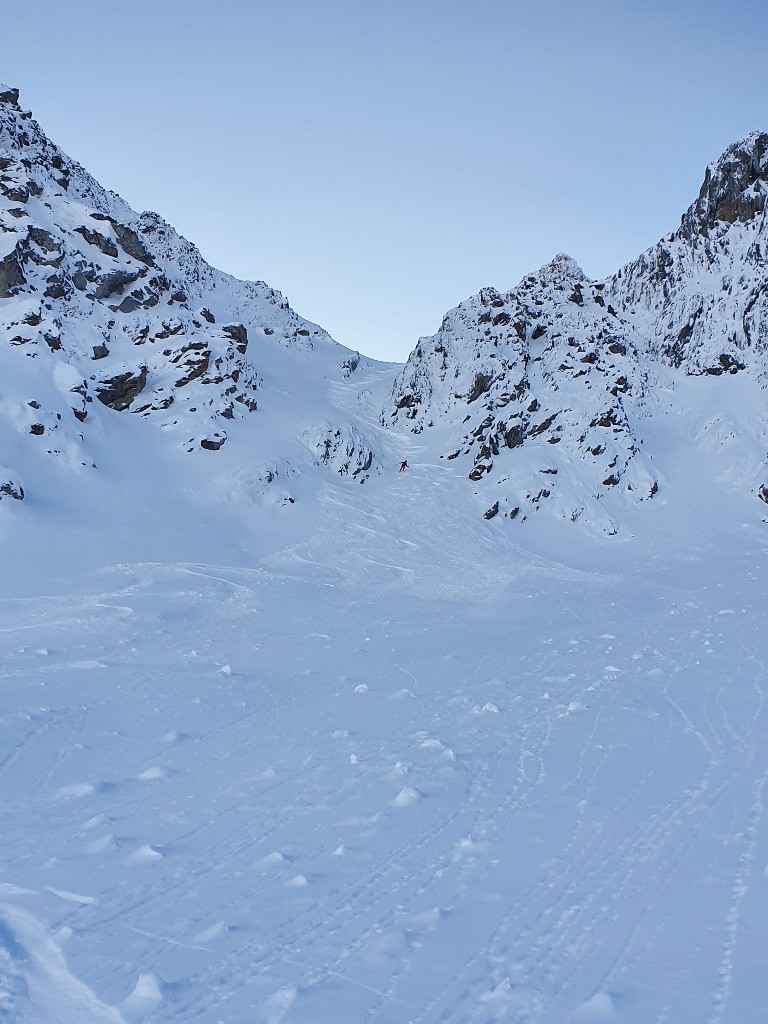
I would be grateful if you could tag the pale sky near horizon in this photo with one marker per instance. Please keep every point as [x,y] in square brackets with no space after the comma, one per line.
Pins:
[378,162]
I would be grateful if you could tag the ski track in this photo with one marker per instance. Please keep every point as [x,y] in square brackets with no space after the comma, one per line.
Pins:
[577,793]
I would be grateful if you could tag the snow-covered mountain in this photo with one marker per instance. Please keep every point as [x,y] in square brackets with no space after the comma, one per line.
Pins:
[547,397]
[290,737]
[550,389]
[105,311]
[699,297]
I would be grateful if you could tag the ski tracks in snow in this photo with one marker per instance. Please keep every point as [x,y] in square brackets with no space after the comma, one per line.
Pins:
[283,805]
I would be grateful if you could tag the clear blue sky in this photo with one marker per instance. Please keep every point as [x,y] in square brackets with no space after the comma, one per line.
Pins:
[379,160]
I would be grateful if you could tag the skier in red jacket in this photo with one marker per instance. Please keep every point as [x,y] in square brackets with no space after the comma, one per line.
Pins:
[404,465]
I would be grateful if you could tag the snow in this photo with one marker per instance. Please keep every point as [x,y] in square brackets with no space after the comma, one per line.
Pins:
[289,736]
[285,841]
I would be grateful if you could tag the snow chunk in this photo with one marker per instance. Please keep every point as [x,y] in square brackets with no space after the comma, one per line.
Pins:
[489,708]
[276,1007]
[599,1007]
[145,854]
[76,790]
[146,996]
[272,860]
[407,796]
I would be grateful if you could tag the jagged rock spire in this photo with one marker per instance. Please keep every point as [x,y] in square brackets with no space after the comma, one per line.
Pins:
[735,187]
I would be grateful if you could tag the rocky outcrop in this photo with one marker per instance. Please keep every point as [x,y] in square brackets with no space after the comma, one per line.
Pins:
[552,378]
[534,380]
[699,298]
[94,285]
[121,391]
[11,275]
[343,449]
[10,489]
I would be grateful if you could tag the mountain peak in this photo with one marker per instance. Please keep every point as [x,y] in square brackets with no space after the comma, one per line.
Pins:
[735,186]
[9,95]
[561,269]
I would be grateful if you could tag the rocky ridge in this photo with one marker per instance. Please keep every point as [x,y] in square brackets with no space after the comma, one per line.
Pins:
[547,388]
[546,397]
[115,309]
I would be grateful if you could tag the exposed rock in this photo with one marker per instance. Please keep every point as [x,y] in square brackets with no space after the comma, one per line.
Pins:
[43,239]
[104,244]
[131,243]
[119,392]
[342,449]
[212,444]
[113,282]
[239,335]
[10,489]
[734,188]
[11,276]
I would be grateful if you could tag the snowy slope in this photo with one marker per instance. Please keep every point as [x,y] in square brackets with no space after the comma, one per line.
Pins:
[104,311]
[382,773]
[288,736]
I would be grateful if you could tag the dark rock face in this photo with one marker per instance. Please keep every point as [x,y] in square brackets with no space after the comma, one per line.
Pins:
[9,489]
[212,444]
[113,282]
[104,244]
[11,276]
[10,96]
[131,243]
[239,335]
[119,392]
[735,188]
[343,450]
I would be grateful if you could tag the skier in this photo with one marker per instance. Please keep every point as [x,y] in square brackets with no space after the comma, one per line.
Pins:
[404,465]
